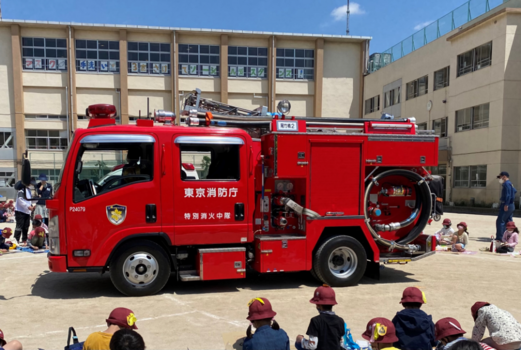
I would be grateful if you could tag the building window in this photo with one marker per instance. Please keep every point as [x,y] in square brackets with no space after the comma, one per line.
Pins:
[440,127]
[421,126]
[6,139]
[372,104]
[45,139]
[392,97]
[475,59]
[52,174]
[200,60]
[441,78]
[45,116]
[251,62]
[472,118]
[44,54]
[148,58]
[295,64]
[470,176]
[417,87]
[97,56]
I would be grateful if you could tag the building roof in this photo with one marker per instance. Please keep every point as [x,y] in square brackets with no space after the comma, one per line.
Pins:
[179,29]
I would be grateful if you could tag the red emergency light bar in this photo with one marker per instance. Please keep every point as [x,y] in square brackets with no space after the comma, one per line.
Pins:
[101,111]
[188,166]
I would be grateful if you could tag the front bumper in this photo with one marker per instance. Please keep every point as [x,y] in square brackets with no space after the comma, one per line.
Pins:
[57,263]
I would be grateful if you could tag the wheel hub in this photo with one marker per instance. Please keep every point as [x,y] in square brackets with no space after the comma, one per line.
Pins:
[342,262]
[140,268]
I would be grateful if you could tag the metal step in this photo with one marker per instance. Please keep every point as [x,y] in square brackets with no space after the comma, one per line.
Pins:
[189,275]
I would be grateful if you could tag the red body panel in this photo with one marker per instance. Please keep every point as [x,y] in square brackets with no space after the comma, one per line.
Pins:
[57,263]
[220,264]
[280,253]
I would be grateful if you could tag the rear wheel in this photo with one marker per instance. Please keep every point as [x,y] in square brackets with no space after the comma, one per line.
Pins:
[340,261]
[140,268]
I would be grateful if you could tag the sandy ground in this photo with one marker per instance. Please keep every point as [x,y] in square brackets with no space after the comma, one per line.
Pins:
[37,307]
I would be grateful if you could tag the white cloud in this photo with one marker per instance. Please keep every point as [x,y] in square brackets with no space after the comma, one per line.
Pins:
[340,13]
[422,25]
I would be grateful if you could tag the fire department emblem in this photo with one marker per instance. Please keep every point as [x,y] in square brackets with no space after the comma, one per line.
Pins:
[116,213]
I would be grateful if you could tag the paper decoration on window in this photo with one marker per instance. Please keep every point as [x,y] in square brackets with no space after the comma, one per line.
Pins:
[134,67]
[83,65]
[240,72]
[213,70]
[142,67]
[300,74]
[253,72]
[260,72]
[38,63]
[193,69]
[52,64]
[281,72]
[156,68]
[113,66]
[205,70]
[233,71]
[92,65]
[184,69]
[104,66]
[289,73]
[164,68]
[61,65]
[29,63]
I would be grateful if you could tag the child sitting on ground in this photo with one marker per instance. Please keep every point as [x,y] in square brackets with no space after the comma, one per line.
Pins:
[444,235]
[325,331]
[510,239]
[461,238]
[36,239]
[268,335]
[414,328]
[448,332]
[119,318]
[4,243]
[381,334]
[38,222]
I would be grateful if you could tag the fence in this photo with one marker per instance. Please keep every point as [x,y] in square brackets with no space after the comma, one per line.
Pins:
[458,17]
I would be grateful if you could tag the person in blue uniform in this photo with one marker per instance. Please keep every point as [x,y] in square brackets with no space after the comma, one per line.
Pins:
[506,204]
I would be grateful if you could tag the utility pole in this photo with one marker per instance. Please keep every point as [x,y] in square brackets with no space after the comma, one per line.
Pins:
[347,27]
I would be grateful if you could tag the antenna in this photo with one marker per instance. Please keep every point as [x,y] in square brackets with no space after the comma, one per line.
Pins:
[348,12]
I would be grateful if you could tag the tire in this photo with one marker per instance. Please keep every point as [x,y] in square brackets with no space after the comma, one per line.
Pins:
[314,274]
[148,276]
[340,261]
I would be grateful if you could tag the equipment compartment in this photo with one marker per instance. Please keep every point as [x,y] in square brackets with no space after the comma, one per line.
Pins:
[221,263]
[279,253]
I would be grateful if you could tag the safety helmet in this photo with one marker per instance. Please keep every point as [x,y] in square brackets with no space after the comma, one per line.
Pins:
[260,309]
[324,295]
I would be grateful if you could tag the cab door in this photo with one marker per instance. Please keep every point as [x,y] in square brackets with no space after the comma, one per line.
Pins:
[210,175]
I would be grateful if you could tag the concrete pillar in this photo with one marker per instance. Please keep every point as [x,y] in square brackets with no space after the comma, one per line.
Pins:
[272,74]
[319,77]
[123,76]
[18,96]
[224,68]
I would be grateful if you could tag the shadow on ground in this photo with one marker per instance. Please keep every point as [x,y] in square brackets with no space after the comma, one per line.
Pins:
[93,285]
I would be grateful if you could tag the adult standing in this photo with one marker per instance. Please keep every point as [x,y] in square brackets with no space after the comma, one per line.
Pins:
[503,328]
[22,212]
[43,190]
[506,204]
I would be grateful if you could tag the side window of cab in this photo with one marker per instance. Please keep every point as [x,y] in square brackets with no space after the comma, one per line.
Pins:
[107,162]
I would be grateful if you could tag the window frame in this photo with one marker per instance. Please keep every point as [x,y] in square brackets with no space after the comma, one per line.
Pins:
[468,182]
[476,63]
[135,66]
[392,97]
[288,71]
[46,58]
[83,64]
[443,126]
[47,138]
[421,126]
[10,144]
[471,112]
[46,116]
[247,67]
[183,146]
[445,79]
[373,101]
[186,69]
[412,88]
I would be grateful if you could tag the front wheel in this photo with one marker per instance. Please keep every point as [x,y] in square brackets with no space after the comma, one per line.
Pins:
[140,268]
[340,261]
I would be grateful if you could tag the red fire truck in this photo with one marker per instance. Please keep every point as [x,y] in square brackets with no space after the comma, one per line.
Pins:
[336,197]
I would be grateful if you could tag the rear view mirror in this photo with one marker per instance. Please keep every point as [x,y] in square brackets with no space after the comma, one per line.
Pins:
[26,172]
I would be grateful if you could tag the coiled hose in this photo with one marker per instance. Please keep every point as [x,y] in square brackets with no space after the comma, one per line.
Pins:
[423,203]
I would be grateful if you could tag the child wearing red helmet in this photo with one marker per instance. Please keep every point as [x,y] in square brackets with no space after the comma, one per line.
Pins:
[268,335]
[325,331]
[460,239]
[381,334]
[510,238]
[414,328]
[444,235]
[449,331]
[4,243]
[119,318]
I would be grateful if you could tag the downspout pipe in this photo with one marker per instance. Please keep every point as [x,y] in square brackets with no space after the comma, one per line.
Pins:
[70,83]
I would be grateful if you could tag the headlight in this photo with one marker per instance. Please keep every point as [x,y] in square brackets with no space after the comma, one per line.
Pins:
[54,235]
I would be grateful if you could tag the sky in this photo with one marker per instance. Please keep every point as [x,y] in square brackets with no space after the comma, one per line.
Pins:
[386,21]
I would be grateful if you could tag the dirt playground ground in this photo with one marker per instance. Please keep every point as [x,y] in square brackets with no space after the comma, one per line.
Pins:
[37,307]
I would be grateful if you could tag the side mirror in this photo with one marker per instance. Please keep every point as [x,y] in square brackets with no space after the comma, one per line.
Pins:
[26,172]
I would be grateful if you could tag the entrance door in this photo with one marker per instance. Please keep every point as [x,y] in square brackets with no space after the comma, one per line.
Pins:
[210,190]
[335,178]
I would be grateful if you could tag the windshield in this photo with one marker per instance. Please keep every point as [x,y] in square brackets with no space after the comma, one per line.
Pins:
[59,181]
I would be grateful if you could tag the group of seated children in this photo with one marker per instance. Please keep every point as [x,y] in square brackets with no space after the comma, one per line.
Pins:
[458,240]
[7,212]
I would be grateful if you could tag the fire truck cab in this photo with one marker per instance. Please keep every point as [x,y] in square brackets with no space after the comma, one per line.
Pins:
[304,196]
